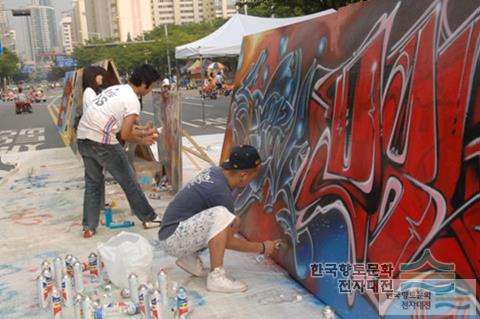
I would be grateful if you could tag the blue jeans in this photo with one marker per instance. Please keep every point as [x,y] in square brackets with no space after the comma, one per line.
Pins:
[113,158]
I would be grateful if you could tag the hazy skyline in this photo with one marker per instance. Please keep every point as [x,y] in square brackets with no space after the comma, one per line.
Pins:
[19,23]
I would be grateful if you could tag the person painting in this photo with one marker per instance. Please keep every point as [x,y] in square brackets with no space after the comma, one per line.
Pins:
[115,111]
[201,216]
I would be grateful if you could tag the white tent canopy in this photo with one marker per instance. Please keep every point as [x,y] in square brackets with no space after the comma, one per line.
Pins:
[227,39]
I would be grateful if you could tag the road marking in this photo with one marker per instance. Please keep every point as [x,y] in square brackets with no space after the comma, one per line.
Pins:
[53,110]
[191,124]
[15,141]
[199,104]
[183,122]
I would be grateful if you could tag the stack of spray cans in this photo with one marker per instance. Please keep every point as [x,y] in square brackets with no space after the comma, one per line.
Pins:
[61,284]
[152,302]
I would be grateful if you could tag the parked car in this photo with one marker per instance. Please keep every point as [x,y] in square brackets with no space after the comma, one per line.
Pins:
[9,96]
[37,96]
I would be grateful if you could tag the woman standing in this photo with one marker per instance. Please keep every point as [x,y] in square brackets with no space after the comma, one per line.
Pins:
[93,83]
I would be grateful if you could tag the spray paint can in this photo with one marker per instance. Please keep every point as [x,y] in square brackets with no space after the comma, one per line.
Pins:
[78,276]
[58,267]
[143,301]
[125,293]
[182,303]
[102,271]
[87,308]
[42,291]
[108,215]
[162,286]
[133,287]
[67,291]
[69,266]
[155,305]
[328,313]
[114,309]
[48,278]
[69,262]
[77,306]
[56,304]
[93,267]
[46,265]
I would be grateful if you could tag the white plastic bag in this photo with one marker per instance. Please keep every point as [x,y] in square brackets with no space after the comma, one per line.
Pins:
[126,253]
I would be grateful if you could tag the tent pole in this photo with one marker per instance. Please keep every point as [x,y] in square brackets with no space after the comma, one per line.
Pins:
[203,95]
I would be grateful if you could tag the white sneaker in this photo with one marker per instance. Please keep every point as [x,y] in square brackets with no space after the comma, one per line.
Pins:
[218,281]
[193,264]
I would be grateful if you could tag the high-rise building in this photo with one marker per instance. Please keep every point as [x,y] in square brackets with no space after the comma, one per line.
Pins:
[100,16]
[42,31]
[131,18]
[4,27]
[79,23]
[66,33]
[117,19]
[184,11]
[225,8]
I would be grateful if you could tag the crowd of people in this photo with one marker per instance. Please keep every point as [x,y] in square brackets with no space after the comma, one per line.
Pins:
[200,216]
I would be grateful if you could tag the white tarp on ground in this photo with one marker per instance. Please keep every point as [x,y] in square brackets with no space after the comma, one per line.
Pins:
[227,40]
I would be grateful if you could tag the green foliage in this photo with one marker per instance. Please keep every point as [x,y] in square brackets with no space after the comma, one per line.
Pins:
[127,55]
[57,73]
[289,8]
[8,63]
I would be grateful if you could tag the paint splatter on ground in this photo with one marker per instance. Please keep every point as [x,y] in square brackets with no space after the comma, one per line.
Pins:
[37,222]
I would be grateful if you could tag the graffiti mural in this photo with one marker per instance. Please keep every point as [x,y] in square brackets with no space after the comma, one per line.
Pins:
[368,122]
[67,99]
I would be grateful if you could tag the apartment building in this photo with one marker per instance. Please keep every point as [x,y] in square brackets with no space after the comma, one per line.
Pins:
[184,11]
[66,34]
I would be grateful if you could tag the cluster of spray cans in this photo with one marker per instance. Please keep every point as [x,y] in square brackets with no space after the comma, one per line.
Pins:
[153,303]
[61,285]
[62,279]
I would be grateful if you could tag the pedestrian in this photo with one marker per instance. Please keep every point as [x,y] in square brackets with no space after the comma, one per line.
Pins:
[93,82]
[201,215]
[219,80]
[115,111]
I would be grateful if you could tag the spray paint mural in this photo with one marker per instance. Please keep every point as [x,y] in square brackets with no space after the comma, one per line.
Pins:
[368,121]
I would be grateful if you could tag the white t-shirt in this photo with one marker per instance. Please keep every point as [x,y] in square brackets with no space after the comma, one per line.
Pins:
[105,113]
[218,79]
[88,95]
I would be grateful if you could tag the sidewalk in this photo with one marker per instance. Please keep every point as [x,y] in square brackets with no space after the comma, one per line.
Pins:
[40,218]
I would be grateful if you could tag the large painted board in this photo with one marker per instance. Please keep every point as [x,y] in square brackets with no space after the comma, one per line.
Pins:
[67,101]
[166,106]
[368,122]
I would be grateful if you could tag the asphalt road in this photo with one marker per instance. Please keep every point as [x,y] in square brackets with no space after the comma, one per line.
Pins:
[35,131]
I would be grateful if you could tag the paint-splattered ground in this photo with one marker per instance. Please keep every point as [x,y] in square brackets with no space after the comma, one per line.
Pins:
[40,213]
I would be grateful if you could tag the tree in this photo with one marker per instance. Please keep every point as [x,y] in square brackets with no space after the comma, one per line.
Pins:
[127,55]
[8,65]
[289,8]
